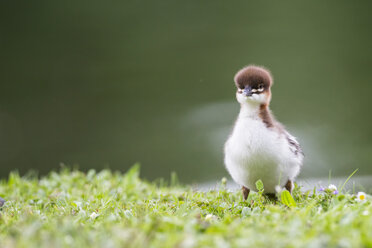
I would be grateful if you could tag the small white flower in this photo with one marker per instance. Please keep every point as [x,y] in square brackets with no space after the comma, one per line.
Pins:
[246,211]
[210,217]
[128,214]
[94,215]
[365,213]
[332,187]
[225,205]
[361,197]
[320,209]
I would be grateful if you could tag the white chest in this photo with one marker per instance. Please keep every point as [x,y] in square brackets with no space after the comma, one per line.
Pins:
[254,152]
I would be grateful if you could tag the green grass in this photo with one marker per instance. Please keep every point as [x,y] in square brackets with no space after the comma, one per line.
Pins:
[105,209]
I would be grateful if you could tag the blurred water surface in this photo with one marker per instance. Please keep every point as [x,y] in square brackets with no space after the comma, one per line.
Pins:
[110,84]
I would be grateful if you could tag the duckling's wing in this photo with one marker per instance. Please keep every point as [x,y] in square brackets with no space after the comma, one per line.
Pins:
[294,145]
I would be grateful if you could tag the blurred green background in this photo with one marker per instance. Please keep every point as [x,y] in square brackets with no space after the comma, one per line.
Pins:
[108,84]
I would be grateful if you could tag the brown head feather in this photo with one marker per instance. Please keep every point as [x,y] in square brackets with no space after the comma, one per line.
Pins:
[253,75]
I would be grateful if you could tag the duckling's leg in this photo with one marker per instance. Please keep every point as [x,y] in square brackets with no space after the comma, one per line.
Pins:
[289,186]
[245,192]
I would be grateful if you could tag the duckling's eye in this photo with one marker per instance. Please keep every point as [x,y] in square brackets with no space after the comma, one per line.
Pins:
[260,87]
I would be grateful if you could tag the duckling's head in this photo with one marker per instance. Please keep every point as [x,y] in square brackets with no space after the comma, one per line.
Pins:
[253,85]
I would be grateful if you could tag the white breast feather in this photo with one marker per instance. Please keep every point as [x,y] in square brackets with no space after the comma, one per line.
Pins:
[254,152]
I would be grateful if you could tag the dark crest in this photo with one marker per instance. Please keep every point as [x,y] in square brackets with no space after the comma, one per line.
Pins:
[253,76]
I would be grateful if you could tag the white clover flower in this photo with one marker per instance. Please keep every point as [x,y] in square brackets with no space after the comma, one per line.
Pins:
[361,197]
[94,215]
[332,187]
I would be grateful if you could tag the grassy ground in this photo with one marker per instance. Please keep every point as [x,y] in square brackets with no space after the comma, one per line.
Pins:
[105,209]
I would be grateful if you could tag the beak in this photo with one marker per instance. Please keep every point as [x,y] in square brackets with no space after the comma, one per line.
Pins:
[247,90]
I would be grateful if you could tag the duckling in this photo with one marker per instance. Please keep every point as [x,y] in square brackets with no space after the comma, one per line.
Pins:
[259,147]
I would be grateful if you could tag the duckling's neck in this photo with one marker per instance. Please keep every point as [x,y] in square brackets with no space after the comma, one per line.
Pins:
[249,110]
[256,111]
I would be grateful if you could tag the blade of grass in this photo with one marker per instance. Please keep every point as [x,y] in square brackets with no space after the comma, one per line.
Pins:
[348,179]
[329,177]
